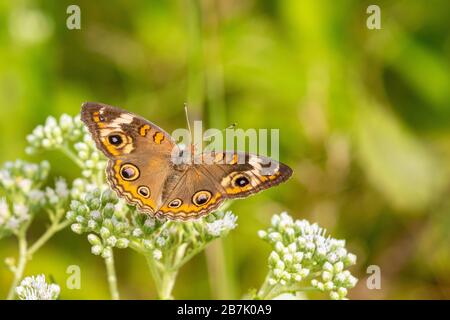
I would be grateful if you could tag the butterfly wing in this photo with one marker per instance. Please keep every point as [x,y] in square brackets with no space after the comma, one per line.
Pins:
[204,186]
[139,153]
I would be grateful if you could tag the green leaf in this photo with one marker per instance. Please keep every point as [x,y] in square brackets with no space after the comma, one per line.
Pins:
[395,161]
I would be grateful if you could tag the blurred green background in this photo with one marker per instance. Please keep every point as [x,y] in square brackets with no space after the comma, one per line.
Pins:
[364,118]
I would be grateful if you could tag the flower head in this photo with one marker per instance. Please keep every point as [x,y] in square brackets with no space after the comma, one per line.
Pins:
[20,182]
[222,225]
[70,135]
[36,288]
[54,133]
[22,177]
[112,224]
[303,251]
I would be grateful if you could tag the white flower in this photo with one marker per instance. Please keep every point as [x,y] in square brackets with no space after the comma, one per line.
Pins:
[220,226]
[157,254]
[160,241]
[150,222]
[61,188]
[5,178]
[229,221]
[4,211]
[36,288]
[36,196]
[25,185]
[65,121]
[21,211]
[301,249]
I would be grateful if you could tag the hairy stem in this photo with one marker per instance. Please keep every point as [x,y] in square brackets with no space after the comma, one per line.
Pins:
[71,155]
[167,284]
[18,272]
[221,286]
[112,278]
[164,278]
[269,291]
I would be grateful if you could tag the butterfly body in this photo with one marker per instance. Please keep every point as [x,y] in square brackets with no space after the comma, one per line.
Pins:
[148,169]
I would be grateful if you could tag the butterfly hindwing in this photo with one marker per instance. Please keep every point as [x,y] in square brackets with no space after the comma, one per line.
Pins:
[205,185]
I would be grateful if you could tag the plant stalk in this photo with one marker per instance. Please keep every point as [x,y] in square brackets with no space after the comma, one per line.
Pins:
[18,272]
[112,278]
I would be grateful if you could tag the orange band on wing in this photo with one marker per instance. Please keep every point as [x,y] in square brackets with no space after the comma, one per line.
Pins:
[192,208]
[144,130]
[158,137]
[129,189]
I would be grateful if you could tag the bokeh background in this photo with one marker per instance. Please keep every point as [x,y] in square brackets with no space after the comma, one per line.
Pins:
[364,118]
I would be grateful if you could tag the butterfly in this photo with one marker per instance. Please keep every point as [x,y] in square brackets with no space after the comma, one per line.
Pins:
[141,167]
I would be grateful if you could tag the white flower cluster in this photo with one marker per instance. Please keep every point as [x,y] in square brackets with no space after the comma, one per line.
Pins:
[81,187]
[23,177]
[20,182]
[161,237]
[303,252]
[93,160]
[110,223]
[11,219]
[55,133]
[57,195]
[221,224]
[36,288]
[70,136]
[98,215]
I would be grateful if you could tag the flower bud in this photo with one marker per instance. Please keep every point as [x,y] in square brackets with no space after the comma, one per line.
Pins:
[157,254]
[107,253]
[108,210]
[342,292]
[137,232]
[105,233]
[93,239]
[111,241]
[122,243]
[273,258]
[97,250]
[350,259]
[328,267]
[329,285]
[77,228]
[327,276]
[262,234]
[338,266]
[334,295]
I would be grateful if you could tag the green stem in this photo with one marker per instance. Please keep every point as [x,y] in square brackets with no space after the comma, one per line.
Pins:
[18,272]
[279,289]
[268,291]
[54,228]
[71,155]
[219,277]
[26,253]
[154,271]
[266,287]
[167,284]
[112,278]
[164,278]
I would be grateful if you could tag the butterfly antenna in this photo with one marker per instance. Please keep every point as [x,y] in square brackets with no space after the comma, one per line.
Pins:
[187,119]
